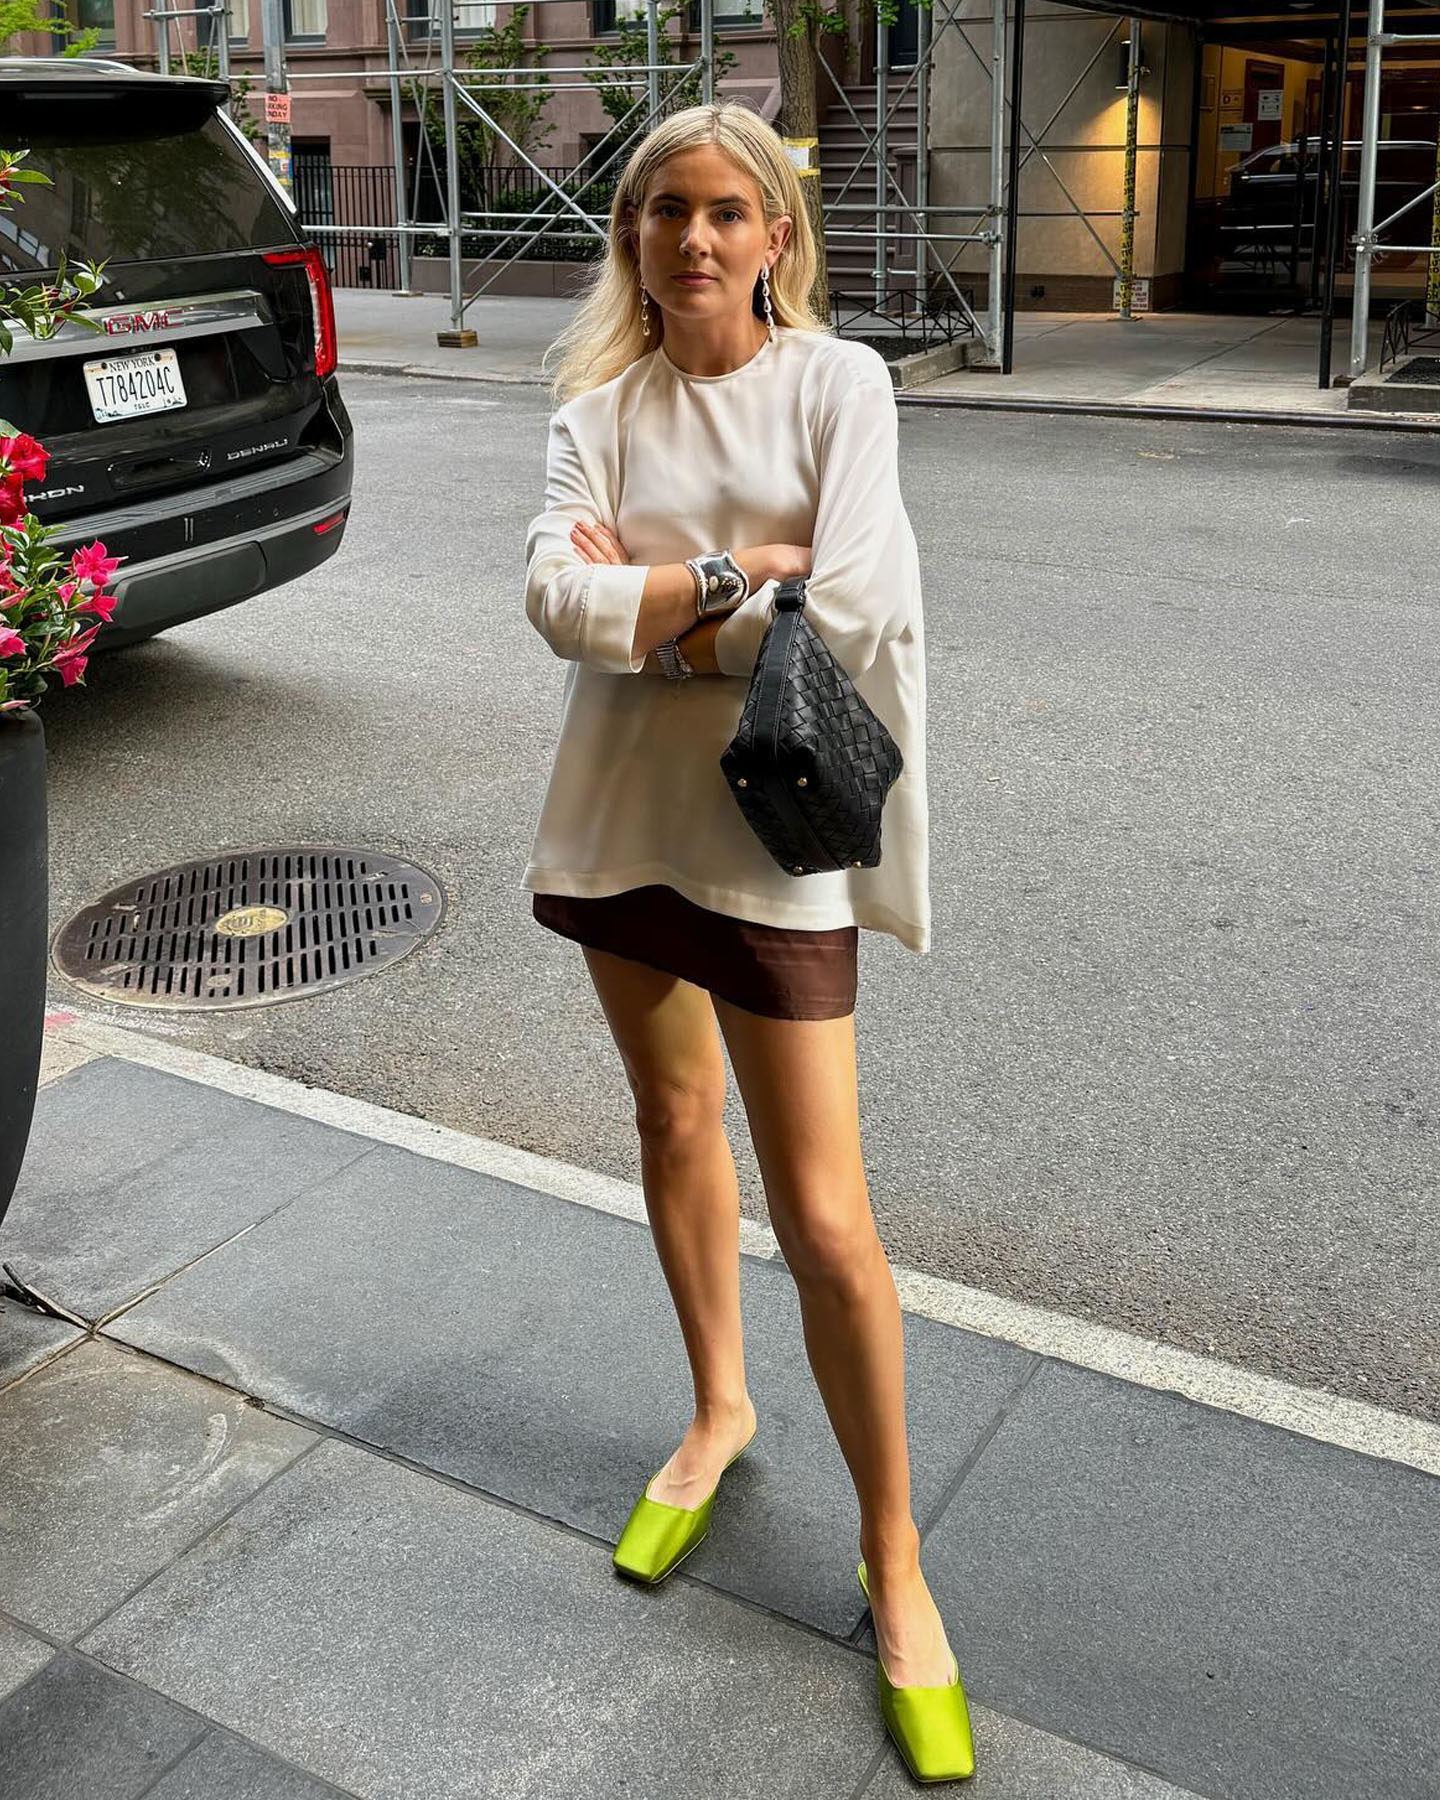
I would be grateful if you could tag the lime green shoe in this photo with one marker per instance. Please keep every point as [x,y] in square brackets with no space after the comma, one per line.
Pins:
[930,1725]
[657,1537]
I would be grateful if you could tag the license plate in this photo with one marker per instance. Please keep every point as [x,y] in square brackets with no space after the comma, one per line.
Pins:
[123,387]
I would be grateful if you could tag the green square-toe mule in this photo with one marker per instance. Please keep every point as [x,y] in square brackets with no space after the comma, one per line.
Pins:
[657,1537]
[930,1725]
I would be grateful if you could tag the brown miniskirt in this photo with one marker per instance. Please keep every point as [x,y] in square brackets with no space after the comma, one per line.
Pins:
[767,969]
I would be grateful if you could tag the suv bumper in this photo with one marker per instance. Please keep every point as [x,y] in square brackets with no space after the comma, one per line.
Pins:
[191,553]
[168,590]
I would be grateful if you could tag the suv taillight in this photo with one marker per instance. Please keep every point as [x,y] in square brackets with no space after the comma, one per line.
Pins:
[322,303]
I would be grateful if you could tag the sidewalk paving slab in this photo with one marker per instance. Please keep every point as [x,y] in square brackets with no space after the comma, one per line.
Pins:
[1150,1597]
[111,1463]
[528,1347]
[221,1767]
[1200,1593]
[403,1637]
[77,1732]
[21,1655]
[26,1337]
[113,1199]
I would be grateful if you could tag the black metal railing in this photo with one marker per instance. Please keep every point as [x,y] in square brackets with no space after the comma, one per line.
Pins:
[1407,328]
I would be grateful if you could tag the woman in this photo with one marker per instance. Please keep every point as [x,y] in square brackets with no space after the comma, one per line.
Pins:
[714,439]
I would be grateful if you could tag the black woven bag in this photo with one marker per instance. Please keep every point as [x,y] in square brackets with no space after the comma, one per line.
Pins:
[810,764]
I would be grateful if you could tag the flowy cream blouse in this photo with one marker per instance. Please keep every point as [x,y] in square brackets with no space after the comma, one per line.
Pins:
[797,446]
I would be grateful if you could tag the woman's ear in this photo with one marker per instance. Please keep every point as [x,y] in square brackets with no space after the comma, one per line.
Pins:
[780,233]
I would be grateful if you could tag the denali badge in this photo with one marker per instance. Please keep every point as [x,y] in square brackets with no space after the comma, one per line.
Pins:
[122,324]
[257,449]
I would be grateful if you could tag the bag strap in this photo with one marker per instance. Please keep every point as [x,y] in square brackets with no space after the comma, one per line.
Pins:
[790,594]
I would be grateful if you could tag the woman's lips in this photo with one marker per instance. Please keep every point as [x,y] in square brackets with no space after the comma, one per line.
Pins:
[694,280]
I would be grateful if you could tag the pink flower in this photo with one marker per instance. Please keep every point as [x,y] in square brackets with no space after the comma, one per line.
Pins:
[11,643]
[12,500]
[65,593]
[13,705]
[102,605]
[70,667]
[82,640]
[92,564]
[22,456]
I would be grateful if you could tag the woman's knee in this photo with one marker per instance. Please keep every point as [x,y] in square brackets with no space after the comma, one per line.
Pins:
[674,1114]
[836,1249]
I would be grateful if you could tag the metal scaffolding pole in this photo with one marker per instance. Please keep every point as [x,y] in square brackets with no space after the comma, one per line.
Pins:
[1334,197]
[1012,217]
[652,55]
[707,52]
[922,157]
[995,296]
[882,160]
[1365,221]
[397,141]
[459,337]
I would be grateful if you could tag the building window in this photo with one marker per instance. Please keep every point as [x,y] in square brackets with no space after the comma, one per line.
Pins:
[730,15]
[239,20]
[304,19]
[88,15]
[422,17]
[606,15]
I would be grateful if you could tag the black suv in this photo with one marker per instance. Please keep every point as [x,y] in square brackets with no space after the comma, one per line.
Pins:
[202,437]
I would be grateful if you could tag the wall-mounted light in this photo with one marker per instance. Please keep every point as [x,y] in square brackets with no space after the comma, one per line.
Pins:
[1122,82]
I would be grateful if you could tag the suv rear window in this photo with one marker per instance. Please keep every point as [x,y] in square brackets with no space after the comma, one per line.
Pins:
[127,190]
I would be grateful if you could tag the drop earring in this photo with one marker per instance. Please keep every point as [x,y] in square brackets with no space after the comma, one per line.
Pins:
[644,310]
[765,295]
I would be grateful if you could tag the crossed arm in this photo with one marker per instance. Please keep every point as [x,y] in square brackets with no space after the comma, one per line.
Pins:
[667,606]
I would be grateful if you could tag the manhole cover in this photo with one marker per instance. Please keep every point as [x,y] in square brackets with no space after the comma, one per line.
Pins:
[250,928]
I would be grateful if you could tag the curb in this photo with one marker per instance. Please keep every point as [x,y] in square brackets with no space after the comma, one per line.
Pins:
[1133,409]
[1313,1413]
[422,372]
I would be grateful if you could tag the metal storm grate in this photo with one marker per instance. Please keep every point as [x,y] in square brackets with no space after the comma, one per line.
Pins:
[249,929]
[1422,369]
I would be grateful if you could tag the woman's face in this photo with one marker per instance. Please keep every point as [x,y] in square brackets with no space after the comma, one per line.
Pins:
[703,236]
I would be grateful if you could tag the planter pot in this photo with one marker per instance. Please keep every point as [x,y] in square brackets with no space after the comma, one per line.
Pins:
[23,935]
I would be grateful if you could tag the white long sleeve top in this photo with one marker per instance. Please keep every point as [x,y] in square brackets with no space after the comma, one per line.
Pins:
[798,446]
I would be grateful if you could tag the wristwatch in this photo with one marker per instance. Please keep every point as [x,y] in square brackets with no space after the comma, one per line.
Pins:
[720,583]
[672,661]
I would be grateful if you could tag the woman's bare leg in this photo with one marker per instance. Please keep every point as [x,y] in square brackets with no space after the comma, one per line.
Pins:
[664,1029]
[799,1084]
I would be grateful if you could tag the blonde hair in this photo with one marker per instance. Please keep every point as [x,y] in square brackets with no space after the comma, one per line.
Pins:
[606,335]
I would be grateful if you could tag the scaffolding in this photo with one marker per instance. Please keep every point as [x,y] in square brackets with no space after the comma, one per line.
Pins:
[461,90]
[887,215]
[1369,243]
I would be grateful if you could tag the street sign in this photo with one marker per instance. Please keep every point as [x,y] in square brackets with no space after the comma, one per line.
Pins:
[277,109]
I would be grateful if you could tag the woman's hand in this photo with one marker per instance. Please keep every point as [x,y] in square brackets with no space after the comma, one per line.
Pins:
[597,544]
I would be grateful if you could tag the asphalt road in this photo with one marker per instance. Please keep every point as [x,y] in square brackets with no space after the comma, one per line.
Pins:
[1171,1064]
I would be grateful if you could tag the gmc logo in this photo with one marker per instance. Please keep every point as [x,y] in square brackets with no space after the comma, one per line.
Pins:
[141,321]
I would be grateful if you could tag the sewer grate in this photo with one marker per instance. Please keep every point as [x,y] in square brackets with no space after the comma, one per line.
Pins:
[1423,370]
[250,928]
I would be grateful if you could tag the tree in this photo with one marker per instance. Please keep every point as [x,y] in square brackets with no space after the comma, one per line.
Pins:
[518,110]
[799,27]
[206,63]
[17,17]
[631,49]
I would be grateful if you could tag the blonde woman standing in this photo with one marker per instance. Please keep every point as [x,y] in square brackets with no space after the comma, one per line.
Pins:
[714,439]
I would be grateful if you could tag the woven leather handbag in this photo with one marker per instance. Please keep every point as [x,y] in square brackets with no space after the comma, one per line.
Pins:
[810,764]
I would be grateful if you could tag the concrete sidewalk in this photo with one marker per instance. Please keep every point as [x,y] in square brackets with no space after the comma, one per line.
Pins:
[1198,363]
[320,1493]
